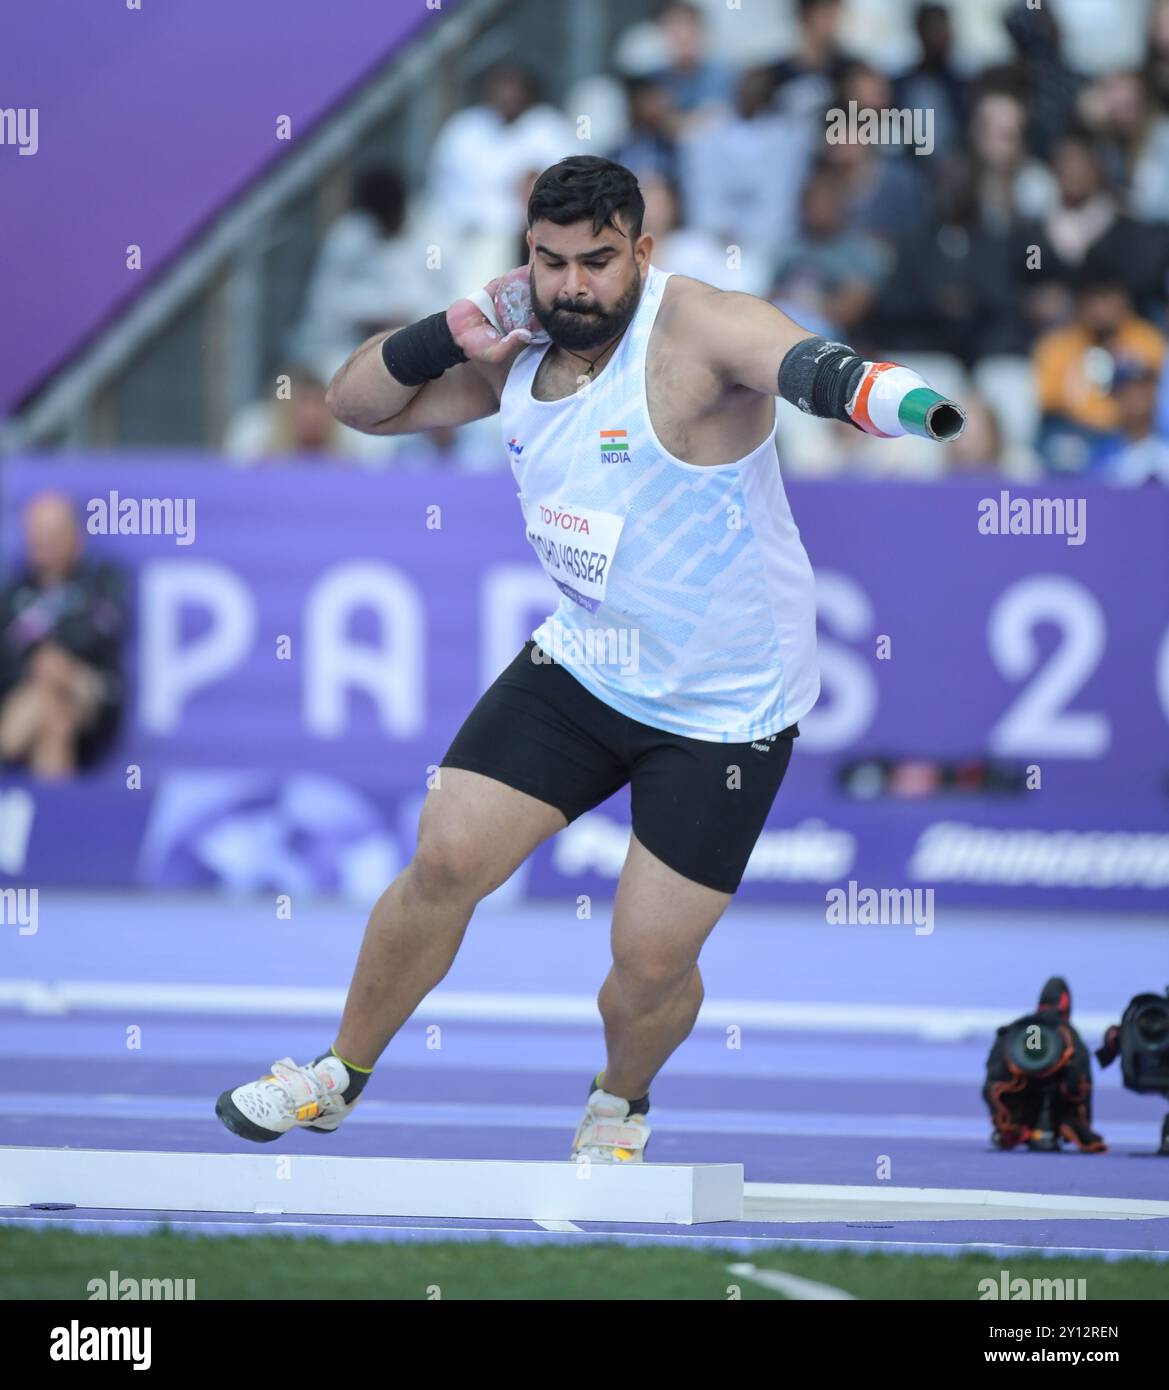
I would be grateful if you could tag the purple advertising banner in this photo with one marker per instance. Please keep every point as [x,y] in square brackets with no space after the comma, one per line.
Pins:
[305,641]
[135,126]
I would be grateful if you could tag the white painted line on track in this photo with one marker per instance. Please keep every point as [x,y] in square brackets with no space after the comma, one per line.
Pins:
[998,1204]
[933,1128]
[940,1022]
[804,1290]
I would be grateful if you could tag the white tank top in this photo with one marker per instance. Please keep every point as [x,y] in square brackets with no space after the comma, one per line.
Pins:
[687,596]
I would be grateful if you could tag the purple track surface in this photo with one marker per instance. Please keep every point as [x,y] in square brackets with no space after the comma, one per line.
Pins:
[791,1106]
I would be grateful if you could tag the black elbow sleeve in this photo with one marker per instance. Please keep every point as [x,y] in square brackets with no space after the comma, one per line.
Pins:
[820,376]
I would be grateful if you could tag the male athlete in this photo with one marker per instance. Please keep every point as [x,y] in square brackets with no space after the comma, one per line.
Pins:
[639,414]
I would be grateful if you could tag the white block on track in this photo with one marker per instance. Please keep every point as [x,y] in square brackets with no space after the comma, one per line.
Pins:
[307,1184]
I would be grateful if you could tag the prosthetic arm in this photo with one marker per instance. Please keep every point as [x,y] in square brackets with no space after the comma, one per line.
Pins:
[881,398]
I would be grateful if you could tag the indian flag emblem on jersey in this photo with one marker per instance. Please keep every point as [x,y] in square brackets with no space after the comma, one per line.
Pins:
[614,446]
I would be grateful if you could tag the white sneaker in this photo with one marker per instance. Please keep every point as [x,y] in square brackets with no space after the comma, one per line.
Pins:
[609,1133]
[289,1096]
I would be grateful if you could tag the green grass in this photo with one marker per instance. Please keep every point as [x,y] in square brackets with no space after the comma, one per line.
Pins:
[59,1264]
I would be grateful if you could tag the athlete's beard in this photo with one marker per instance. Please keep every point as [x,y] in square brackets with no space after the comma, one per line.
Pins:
[570,327]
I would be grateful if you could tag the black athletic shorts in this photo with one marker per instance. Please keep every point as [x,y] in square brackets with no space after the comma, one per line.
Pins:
[538,729]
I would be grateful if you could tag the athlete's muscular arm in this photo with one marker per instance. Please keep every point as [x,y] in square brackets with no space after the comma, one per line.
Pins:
[364,396]
[747,337]
[751,343]
[463,353]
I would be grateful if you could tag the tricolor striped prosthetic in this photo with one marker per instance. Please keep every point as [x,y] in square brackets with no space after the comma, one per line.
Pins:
[891,400]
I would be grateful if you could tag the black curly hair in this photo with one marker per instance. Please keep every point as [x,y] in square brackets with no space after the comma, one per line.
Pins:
[584,186]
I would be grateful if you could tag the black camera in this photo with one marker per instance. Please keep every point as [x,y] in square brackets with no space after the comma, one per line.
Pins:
[1039,1081]
[1141,1040]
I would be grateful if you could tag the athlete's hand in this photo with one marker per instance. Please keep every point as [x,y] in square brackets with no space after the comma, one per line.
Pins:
[514,326]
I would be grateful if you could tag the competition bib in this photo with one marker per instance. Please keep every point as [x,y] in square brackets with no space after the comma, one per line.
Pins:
[575,545]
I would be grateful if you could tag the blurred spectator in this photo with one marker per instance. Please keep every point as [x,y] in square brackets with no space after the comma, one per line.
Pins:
[1011,183]
[1134,136]
[478,164]
[1087,222]
[886,186]
[1074,368]
[933,83]
[806,80]
[1039,74]
[294,422]
[885,189]
[61,626]
[741,176]
[1085,208]
[830,269]
[649,143]
[1137,454]
[955,285]
[872,90]
[680,249]
[694,82]
[370,272]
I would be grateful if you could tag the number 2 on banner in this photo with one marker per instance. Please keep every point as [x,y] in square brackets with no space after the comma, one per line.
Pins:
[1039,720]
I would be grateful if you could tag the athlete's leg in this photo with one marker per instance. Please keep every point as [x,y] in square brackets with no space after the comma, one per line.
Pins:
[653,992]
[526,761]
[473,833]
[698,809]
